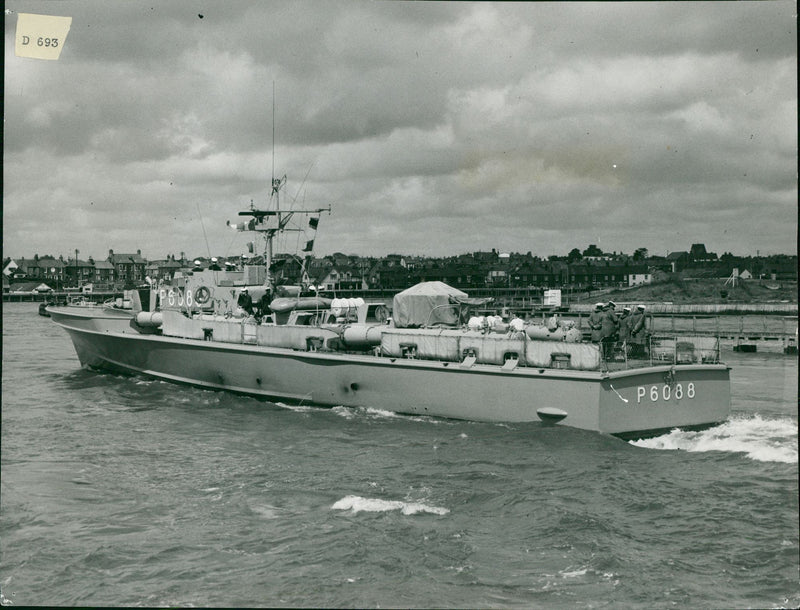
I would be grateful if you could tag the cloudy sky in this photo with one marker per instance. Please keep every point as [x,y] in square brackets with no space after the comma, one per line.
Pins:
[430,128]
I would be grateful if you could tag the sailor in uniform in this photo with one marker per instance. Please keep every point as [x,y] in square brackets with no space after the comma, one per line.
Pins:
[624,332]
[638,332]
[608,328]
[263,304]
[245,301]
[596,322]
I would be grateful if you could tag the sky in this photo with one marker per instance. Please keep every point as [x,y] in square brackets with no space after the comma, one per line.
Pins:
[429,128]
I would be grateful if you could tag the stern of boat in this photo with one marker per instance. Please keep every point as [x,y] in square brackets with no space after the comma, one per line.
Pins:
[651,401]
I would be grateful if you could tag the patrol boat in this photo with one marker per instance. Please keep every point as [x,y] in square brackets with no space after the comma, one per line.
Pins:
[429,357]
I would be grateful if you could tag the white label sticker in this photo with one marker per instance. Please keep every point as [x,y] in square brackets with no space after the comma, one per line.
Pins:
[41,36]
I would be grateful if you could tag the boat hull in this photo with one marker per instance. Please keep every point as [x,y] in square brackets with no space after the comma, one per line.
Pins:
[630,403]
[92,317]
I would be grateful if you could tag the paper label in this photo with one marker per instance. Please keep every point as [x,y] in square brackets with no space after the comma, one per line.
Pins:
[41,36]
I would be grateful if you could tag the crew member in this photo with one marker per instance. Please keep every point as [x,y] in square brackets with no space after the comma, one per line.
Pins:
[624,331]
[596,322]
[263,303]
[638,332]
[608,328]
[245,301]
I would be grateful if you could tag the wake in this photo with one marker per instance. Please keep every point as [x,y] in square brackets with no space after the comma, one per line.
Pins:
[762,440]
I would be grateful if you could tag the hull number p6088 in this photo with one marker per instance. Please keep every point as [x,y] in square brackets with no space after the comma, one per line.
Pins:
[665,392]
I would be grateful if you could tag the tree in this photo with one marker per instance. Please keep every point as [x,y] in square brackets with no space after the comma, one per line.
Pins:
[640,254]
[593,250]
[574,255]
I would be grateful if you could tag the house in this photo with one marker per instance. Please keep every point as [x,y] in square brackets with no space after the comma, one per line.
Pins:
[637,275]
[698,254]
[78,272]
[535,274]
[388,274]
[593,254]
[9,267]
[163,269]
[497,275]
[52,269]
[284,269]
[44,268]
[452,273]
[581,275]
[128,268]
[26,268]
[601,275]
[329,275]
[677,261]
[781,267]
[486,258]
[103,273]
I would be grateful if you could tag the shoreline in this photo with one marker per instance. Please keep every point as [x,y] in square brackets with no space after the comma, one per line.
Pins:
[710,309]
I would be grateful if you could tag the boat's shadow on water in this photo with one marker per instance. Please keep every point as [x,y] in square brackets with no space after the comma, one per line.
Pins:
[140,393]
[125,392]
[83,379]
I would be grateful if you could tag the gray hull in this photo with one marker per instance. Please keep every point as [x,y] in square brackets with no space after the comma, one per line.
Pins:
[634,402]
[95,317]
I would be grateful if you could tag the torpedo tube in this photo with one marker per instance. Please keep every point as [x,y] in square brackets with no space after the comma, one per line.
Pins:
[151,319]
[360,336]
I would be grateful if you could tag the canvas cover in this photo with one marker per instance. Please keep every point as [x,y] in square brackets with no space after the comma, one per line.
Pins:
[427,303]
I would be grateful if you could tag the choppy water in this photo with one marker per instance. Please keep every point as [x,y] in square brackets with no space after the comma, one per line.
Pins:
[124,491]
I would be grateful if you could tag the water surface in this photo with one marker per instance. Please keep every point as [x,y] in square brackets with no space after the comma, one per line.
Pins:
[126,491]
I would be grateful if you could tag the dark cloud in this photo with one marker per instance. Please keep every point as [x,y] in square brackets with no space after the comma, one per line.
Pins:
[430,127]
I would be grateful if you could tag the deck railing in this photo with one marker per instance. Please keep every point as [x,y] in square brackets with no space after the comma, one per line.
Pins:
[658,349]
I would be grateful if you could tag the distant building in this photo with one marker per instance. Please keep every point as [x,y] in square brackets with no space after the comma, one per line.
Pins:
[9,267]
[539,275]
[638,275]
[163,269]
[497,275]
[677,261]
[128,268]
[78,272]
[40,268]
[333,276]
[103,273]
[381,276]
[32,287]
[698,254]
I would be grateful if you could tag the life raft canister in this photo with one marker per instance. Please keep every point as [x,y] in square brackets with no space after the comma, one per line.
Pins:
[202,295]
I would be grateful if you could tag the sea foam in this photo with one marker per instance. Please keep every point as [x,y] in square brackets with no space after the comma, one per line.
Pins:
[763,440]
[358,504]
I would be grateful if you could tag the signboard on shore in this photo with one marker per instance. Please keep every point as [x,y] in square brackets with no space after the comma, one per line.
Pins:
[552,298]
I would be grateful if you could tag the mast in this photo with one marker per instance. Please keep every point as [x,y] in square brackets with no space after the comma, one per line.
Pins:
[260,218]
[273,135]
[273,222]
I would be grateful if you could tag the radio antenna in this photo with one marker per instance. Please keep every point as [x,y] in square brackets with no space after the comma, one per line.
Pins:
[273,132]
[202,224]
